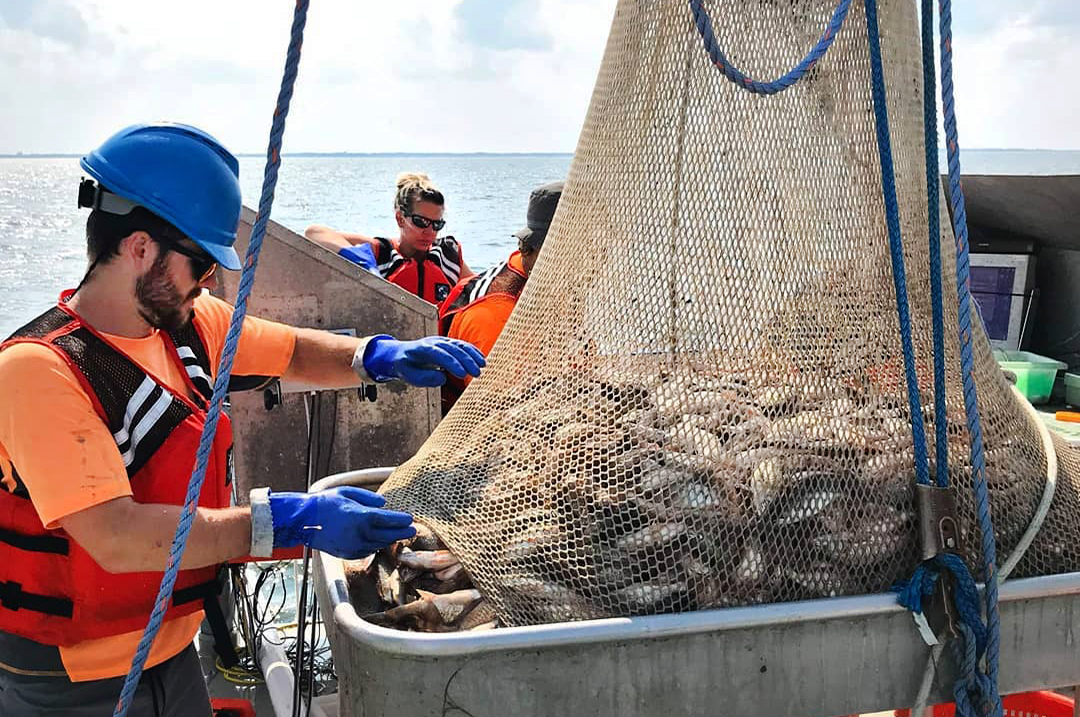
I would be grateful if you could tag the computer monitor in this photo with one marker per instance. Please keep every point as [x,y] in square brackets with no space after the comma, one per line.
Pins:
[1002,286]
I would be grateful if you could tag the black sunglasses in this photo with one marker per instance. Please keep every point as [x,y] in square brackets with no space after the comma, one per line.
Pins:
[421,222]
[203,265]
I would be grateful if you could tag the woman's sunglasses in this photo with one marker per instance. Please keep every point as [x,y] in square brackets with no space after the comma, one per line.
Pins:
[421,222]
[203,265]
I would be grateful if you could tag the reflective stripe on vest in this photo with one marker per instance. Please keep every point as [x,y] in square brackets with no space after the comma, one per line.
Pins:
[51,590]
[501,279]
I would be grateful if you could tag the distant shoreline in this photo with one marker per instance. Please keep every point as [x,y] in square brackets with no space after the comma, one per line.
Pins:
[350,155]
[332,155]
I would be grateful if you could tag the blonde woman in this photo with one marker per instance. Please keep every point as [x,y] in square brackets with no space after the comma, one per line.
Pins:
[419,261]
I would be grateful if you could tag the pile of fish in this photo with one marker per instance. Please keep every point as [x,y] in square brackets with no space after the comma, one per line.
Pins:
[417,584]
[596,496]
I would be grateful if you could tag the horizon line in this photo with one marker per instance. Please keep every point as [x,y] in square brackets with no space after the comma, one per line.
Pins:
[64,155]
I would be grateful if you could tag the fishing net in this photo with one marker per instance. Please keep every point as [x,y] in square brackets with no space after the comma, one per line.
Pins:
[699,400]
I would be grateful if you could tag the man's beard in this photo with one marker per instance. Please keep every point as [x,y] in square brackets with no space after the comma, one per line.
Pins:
[159,300]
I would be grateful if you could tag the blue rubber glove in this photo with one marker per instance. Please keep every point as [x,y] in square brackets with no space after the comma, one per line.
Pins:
[424,362]
[346,521]
[361,254]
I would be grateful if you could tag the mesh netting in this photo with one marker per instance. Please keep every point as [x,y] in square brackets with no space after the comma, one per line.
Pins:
[699,399]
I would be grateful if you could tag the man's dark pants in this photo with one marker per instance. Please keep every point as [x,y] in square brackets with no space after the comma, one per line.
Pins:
[175,688]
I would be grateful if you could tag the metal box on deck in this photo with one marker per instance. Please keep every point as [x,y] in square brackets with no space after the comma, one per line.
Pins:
[302,284]
[808,659]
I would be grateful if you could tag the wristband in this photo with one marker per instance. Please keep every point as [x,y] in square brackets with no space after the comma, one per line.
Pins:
[262,523]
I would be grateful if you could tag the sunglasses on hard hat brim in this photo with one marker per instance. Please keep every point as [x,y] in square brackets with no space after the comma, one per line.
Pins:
[421,222]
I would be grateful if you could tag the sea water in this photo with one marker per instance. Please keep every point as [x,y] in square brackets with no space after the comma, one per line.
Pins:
[43,249]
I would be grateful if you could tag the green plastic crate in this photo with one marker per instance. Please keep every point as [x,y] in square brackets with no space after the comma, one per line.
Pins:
[1072,389]
[1035,374]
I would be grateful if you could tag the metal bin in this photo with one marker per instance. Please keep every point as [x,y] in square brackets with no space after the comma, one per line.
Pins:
[807,659]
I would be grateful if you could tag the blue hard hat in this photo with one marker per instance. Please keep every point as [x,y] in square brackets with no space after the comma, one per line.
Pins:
[179,173]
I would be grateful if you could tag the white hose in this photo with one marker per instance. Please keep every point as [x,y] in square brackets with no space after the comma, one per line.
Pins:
[922,700]
[279,676]
[1048,490]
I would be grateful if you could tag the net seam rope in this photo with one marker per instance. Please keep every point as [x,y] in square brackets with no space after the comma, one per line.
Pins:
[933,187]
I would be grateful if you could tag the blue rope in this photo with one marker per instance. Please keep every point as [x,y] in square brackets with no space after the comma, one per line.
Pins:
[971,688]
[704,26]
[975,693]
[910,594]
[933,226]
[896,243]
[967,364]
[273,161]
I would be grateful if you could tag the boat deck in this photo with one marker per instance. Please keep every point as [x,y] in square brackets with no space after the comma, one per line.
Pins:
[258,695]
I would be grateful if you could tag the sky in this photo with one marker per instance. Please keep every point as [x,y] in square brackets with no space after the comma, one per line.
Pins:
[441,76]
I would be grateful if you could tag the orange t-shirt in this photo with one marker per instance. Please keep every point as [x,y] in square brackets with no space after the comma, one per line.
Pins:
[49,428]
[481,323]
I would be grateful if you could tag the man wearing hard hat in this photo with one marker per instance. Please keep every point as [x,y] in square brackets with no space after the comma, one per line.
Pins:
[103,399]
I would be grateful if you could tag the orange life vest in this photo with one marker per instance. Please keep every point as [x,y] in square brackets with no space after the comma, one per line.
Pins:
[51,590]
[502,279]
[430,277]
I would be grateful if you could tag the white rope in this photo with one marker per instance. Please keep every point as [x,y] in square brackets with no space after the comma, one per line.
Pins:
[1048,490]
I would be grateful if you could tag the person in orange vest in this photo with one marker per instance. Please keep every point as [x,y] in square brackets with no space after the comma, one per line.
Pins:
[419,260]
[477,308]
[103,400]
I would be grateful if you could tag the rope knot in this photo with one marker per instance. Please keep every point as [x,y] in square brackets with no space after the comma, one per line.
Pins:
[975,693]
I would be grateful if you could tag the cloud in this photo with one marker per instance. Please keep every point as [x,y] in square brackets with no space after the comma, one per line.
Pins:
[52,19]
[1008,79]
[983,18]
[463,75]
[978,18]
[506,25]
[1059,13]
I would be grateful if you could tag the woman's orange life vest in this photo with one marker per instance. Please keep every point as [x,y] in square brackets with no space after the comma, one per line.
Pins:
[51,590]
[430,277]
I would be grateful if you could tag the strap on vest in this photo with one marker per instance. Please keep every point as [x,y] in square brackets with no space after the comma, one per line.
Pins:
[13,597]
[249,383]
[208,592]
[35,543]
